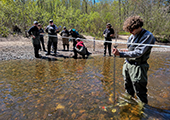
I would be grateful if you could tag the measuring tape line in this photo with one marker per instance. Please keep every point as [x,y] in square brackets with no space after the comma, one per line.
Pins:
[115,42]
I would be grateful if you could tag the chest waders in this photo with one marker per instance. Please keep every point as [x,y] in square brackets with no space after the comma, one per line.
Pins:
[36,45]
[135,75]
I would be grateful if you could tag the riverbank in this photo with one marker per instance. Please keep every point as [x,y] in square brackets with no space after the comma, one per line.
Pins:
[19,47]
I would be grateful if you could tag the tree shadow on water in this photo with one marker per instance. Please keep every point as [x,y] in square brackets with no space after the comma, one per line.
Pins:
[156,113]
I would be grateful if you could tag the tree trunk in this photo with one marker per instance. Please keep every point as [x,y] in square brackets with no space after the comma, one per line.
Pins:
[120,13]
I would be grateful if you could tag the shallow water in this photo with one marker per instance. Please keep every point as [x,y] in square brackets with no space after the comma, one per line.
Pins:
[78,89]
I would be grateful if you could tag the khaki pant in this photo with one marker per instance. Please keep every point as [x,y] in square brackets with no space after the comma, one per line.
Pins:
[135,77]
[65,41]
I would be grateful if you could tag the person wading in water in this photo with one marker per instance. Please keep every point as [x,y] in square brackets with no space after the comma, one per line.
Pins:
[135,66]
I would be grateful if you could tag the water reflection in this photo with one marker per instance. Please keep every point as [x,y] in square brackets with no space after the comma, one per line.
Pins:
[106,67]
[77,89]
[40,70]
[107,72]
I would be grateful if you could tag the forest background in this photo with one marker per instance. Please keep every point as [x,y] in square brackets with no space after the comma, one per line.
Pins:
[86,16]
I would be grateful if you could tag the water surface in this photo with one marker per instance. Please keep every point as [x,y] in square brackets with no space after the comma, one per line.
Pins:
[78,89]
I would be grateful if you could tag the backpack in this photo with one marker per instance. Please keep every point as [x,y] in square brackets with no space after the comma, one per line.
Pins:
[75,31]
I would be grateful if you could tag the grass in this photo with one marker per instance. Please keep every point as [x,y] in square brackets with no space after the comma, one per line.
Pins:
[123,33]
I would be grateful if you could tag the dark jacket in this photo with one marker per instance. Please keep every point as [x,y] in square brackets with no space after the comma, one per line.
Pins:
[64,33]
[41,31]
[34,31]
[51,29]
[108,32]
[74,34]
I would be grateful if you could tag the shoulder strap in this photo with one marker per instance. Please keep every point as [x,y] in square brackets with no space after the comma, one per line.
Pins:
[139,37]
[143,32]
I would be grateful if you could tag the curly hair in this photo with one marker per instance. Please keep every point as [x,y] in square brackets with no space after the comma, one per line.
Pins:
[133,22]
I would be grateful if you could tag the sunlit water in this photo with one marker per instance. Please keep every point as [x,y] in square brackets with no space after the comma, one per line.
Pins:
[78,89]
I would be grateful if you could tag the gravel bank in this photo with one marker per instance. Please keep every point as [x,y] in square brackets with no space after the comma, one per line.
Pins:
[18,47]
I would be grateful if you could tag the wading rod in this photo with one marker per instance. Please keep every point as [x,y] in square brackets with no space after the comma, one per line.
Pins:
[114,74]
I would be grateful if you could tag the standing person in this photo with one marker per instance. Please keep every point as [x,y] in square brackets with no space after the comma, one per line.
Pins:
[108,34]
[41,37]
[53,39]
[35,34]
[75,35]
[135,66]
[65,33]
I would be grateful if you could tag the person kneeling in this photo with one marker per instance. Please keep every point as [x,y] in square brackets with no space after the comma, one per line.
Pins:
[81,49]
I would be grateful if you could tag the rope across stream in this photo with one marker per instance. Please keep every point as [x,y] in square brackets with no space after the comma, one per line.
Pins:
[114,42]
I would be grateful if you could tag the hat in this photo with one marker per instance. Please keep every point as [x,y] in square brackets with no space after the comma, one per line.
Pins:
[108,24]
[39,24]
[35,22]
[64,27]
[77,39]
[51,21]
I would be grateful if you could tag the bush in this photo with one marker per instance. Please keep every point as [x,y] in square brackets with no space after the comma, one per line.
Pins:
[123,33]
[4,31]
[164,39]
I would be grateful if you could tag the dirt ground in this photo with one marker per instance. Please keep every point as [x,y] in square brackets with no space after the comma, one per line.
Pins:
[19,47]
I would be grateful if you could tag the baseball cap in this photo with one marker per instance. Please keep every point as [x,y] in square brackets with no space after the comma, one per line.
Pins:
[77,39]
[109,24]
[35,22]
[51,21]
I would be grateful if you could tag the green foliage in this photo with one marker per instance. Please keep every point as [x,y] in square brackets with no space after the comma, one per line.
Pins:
[4,31]
[164,40]
[163,37]
[123,33]
[85,16]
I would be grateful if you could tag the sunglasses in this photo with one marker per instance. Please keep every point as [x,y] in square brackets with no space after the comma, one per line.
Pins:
[131,30]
